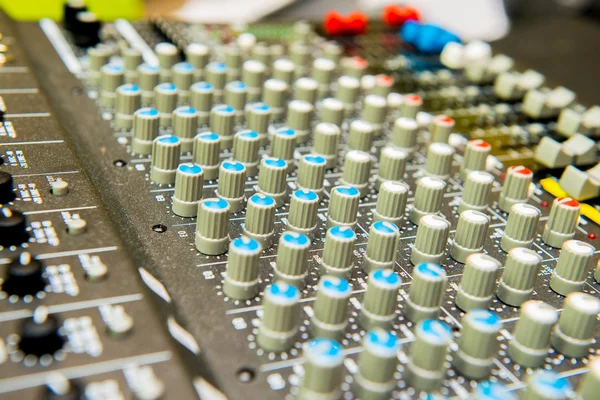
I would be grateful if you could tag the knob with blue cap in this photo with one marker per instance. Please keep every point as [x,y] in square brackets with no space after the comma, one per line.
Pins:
[275,95]
[233,61]
[292,258]
[426,366]
[427,38]
[147,77]
[128,100]
[260,219]
[280,320]
[253,75]
[205,153]
[304,207]
[145,129]
[212,226]
[183,76]
[382,247]
[311,173]
[201,98]
[478,344]
[331,308]
[283,145]
[326,142]
[111,77]
[166,150]
[543,385]
[258,116]
[235,94]
[241,273]
[357,170]
[323,370]
[489,390]
[426,292]
[272,179]
[189,180]
[380,301]
[232,179]
[299,118]
[165,101]
[377,363]
[222,120]
[216,74]
[185,125]
[338,251]
[590,383]
[343,206]
[246,144]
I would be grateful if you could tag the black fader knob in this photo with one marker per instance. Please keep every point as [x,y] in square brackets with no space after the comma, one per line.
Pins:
[86,31]
[71,9]
[6,188]
[12,227]
[40,335]
[24,276]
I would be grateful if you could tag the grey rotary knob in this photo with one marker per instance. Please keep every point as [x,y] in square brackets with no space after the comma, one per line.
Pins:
[374,111]
[476,193]
[357,170]
[427,357]
[299,116]
[301,56]
[426,292]
[183,76]
[404,133]
[392,165]
[361,135]
[322,72]
[258,116]
[489,390]
[147,77]
[280,321]
[380,300]
[111,77]
[544,385]
[127,101]
[232,178]
[302,217]
[376,365]
[165,159]
[283,145]
[439,160]
[272,179]
[515,188]
[284,70]
[590,383]
[260,219]
[326,142]
[531,336]
[348,90]
[574,333]
[233,59]
[189,179]
[275,95]
[292,258]
[572,268]
[311,173]
[261,52]
[246,145]
[222,120]
[471,232]
[201,98]
[168,55]
[331,308]
[343,206]
[206,153]
[521,268]
[391,202]
[354,66]
[430,242]
[235,95]
[332,50]
[337,252]
[165,101]
[241,274]
[253,75]
[428,198]
[475,157]
[306,89]
[145,129]
[212,226]
[332,111]
[97,57]
[562,222]
[521,226]
[383,85]
[478,283]
[411,105]
[216,74]
[382,247]
[185,125]
[441,128]
[197,54]
[478,344]
[323,370]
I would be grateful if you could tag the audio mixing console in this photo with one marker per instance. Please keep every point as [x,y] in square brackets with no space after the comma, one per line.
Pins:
[354,209]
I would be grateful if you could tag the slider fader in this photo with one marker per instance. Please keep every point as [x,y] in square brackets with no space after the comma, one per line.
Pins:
[367,208]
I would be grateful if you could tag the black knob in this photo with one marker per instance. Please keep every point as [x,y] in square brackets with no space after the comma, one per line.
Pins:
[6,187]
[24,276]
[71,9]
[12,227]
[86,31]
[39,334]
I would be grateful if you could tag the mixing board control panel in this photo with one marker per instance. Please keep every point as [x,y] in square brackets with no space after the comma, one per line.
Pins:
[290,211]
